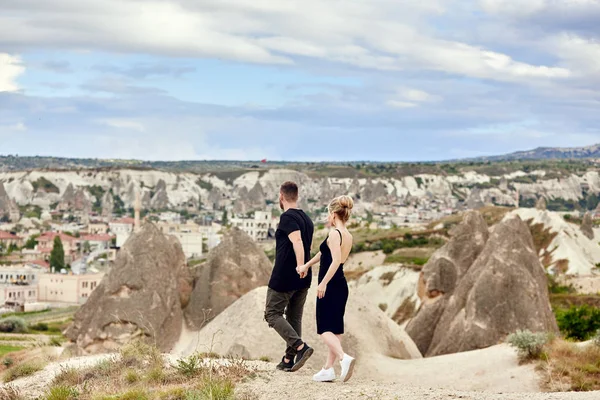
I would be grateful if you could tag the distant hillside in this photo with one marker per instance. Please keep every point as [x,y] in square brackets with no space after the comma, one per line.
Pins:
[550,153]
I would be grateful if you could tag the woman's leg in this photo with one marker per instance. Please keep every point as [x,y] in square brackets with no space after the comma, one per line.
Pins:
[330,359]
[334,344]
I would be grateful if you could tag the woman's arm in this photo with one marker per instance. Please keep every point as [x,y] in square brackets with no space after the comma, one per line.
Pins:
[314,260]
[335,245]
[303,269]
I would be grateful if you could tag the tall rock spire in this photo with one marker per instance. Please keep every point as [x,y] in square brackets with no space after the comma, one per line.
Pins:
[137,209]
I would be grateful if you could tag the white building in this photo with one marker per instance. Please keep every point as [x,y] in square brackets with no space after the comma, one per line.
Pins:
[122,229]
[70,289]
[18,285]
[258,226]
[189,235]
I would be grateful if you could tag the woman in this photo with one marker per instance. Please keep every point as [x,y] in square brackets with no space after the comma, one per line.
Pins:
[332,292]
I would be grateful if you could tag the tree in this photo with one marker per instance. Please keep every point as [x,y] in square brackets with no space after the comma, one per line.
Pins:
[224,218]
[87,247]
[31,242]
[57,256]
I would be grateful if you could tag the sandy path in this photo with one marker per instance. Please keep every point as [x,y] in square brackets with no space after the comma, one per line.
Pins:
[275,385]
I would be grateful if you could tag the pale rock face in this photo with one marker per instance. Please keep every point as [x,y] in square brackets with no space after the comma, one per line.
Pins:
[176,189]
[391,288]
[569,244]
[370,334]
[143,295]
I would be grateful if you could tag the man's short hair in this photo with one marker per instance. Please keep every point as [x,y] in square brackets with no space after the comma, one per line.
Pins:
[289,190]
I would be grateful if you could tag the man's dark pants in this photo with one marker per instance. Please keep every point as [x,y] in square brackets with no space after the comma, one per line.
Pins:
[289,328]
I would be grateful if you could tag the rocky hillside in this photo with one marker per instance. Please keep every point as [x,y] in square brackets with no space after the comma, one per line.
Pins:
[115,189]
[543,153]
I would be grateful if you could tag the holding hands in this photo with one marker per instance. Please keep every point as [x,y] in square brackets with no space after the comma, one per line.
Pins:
[302,270]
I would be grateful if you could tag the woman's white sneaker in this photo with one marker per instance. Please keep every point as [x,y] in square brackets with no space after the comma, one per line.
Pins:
[325,375]
[347,368]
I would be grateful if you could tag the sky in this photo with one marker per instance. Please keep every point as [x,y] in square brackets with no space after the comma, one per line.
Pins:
[297,80]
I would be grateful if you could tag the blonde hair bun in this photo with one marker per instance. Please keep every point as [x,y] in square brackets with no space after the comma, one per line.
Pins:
[341,206]
[346,202]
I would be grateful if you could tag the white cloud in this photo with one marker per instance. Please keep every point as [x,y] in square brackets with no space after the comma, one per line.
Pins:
[10,69]
[123,124]
[17,127]
[401,104]
[408,98]
[580,54]
[372,34]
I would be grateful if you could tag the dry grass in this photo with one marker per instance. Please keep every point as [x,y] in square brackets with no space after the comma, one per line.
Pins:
[569,367]
[405,312]
[140,372]
[356,274]
[542,239]
[22,370]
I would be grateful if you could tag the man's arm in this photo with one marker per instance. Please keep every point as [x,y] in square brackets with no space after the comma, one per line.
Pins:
[296,240]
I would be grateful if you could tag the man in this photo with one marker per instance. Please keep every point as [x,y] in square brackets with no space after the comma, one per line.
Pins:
[287,290]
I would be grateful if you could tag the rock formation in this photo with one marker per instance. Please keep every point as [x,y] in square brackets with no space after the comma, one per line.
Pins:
[498,287]
[392,289]
[108,204]
[73,199]
[142,296]
[587,226]
[370,334]
[235,267]
[441,274]
[256,197]
[215,198]
[475,200]
[160,200]
[541,204]
[8,206]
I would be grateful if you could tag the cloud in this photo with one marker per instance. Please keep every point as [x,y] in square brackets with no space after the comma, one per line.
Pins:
[374,34]
[118,86]
[61,67]
[123,124]
[146,70]
[17,127]
[10,69]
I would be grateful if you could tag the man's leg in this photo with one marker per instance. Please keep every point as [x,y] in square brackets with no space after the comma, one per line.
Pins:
[277,302]
[294,313]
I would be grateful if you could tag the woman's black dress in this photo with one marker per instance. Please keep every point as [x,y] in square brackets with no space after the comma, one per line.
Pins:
[332,307]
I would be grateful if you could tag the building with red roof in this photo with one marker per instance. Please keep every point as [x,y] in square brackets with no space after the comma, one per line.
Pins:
[46,242]
[7,238]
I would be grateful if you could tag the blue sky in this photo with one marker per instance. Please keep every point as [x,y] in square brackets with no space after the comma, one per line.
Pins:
[401,80]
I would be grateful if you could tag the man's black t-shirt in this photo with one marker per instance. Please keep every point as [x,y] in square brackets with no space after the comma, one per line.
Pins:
[284,277]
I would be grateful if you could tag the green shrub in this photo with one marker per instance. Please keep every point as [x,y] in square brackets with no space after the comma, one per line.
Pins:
[216,389]
[8,362]
[556,288]
[190,366]
[62,393]
[579,323]
[528,344]
[13,325]
[40,327]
